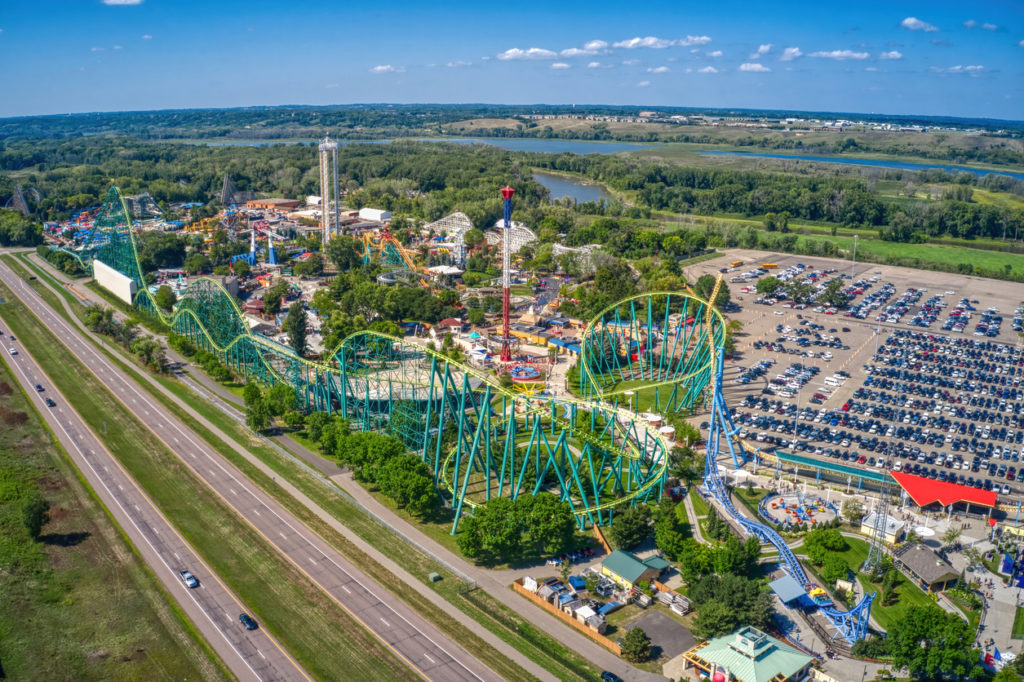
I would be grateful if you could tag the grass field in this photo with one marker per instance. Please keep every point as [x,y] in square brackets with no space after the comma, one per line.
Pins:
[1018,624]
[55,594]
[276,592]
[536,644]
[700,506]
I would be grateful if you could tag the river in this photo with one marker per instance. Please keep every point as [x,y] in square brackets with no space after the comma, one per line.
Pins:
[561,186]
[879,163]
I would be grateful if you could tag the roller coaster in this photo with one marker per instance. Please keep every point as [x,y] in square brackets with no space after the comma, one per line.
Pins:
[480,440]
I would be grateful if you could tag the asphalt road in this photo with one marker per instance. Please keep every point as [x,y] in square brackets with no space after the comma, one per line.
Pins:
[421,646]
[211,606]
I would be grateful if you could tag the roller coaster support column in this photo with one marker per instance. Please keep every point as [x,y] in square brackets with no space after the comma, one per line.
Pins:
[721,422]
[506,274]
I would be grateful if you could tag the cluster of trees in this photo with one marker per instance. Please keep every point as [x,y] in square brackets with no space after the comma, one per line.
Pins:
[725,602]
[731,557]
[354,301]
[17,230]
[61,260]
[149,350]
[671,529]
[931,644]
[209,362]
[263,406]
[630,527]
[503,530]
[822,546]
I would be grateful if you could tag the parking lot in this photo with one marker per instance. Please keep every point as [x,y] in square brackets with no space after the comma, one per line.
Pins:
[920,372]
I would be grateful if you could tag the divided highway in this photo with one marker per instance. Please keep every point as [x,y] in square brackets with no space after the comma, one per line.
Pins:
[211,606]
[421,646]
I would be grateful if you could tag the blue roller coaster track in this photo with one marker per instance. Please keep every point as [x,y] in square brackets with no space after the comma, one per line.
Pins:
[851,625]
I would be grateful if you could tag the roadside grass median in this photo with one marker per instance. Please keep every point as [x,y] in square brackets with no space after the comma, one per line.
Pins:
[273,589]
[55,593]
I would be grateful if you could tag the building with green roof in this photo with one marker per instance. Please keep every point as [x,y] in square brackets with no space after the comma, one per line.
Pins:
[627,570]
[749,655]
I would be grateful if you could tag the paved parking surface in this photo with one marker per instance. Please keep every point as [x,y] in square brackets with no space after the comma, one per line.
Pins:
[666,634]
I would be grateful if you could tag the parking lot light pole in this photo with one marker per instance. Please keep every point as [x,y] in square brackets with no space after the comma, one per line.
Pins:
[854,264]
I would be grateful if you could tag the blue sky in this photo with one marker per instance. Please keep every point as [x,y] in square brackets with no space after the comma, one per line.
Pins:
[934,58]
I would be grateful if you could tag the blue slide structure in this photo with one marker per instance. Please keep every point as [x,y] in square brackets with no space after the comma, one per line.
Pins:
[852,624]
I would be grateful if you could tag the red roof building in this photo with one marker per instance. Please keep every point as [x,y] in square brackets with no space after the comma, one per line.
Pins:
[924,491]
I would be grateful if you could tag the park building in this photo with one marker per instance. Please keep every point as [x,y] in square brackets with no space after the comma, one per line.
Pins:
[627,570]
[932,572]
[749,655]
[892,531]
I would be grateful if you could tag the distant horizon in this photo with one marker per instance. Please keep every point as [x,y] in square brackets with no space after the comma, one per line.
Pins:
[584,106]
[943,58]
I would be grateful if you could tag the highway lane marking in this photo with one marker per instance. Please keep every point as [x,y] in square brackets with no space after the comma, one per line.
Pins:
[256,512]
[386,624]
[283,536]
[177,556]
[120,487]
[233,491]
[347,591]
[427,656]
[261,654]
[312,561]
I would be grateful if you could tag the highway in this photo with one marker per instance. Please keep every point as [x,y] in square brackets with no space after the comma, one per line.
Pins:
[251,655]
[421,646]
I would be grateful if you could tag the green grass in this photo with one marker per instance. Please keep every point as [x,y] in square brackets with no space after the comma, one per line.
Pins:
[276,592]
[482,607]
[1018,624]
[700,507]
[55,617]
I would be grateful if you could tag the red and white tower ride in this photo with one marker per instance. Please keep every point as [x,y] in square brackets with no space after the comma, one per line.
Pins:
[506,275]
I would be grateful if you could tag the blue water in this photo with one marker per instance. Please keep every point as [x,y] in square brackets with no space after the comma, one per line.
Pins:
[525,144]
[902,165]
[565,187]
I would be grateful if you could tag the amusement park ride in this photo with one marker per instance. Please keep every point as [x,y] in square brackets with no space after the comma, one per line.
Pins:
[480,439]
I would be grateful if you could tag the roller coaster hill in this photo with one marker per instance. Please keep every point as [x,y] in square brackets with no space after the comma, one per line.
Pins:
[479,439]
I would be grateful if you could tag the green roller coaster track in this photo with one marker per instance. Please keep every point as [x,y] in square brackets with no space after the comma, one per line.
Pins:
[479,439]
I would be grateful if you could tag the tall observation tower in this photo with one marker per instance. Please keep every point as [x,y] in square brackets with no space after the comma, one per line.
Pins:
[506,275]
[329,205]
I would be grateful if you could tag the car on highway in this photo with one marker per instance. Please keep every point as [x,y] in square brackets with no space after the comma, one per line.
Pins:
[39,388]
[607,676]
[50,403]
[12,351]
[189,579]
[247,620]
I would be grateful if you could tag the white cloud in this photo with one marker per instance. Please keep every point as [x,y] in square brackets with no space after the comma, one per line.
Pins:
[761,51]
[756,68]
[387,68]
[631,62]
[915,24]
[659,69]
[595,45]
[643,84]
[893,54]
[791,53]
[708,69]
[146,36]
[972,70]
[531,53]
[716,53]
[694,40]
[970,23]
[840,54]
[576,52]
[649,41]
[594,65]
[122,2]
[990,27]
[116,47]
[456,64]
[559,66]
[871,68]
[97,49]
[1020,44]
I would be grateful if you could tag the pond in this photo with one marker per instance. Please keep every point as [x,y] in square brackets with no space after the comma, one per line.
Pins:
[880,163]
[561,186]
